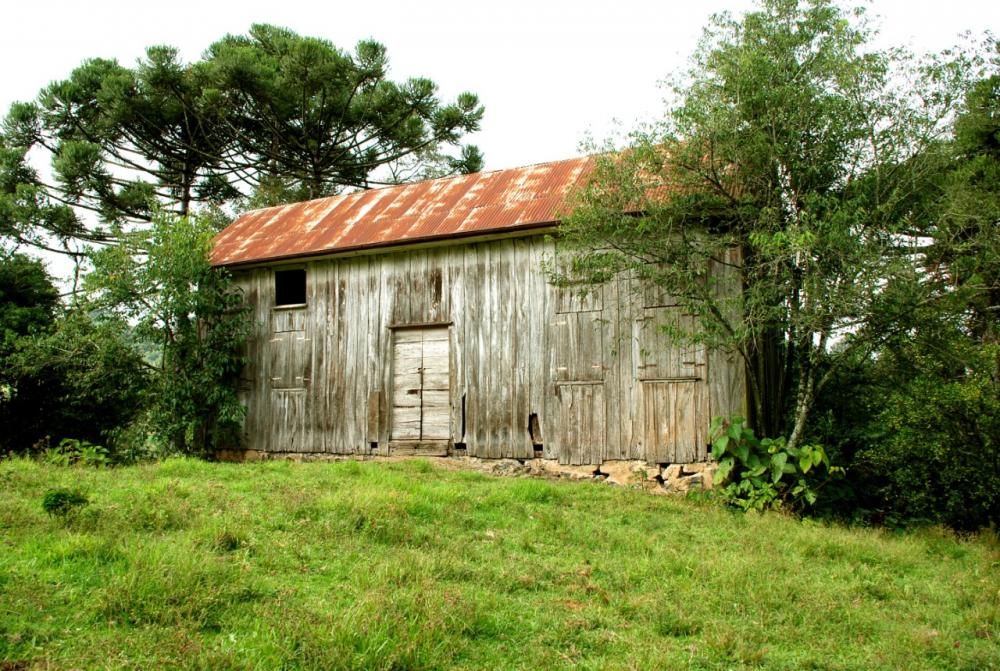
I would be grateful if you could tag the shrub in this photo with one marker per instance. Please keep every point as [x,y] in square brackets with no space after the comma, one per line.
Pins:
[919,435]
[80,380]
[71,451]
[937,456]
[63,502]
[760,473]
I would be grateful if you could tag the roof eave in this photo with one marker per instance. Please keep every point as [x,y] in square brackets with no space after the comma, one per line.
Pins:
[393,245]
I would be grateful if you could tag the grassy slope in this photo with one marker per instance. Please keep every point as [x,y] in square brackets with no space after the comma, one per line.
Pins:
[404,566]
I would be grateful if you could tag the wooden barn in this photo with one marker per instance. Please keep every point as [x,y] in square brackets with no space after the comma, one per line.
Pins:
[420,319]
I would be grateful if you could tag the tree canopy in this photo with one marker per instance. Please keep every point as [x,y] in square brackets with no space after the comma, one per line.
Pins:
[28,299]
[797,143]
[160,281]
[261,118]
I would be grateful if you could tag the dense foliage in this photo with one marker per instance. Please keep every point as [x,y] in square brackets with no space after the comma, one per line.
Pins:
[145,365]
[79,379]
[28,298]
[61,375]
[161,282]
[918,423]
[760,473]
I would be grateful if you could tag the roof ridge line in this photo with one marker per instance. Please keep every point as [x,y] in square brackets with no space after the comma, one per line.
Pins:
[421,181]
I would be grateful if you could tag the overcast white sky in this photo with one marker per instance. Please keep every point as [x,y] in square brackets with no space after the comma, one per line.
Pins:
[547,72]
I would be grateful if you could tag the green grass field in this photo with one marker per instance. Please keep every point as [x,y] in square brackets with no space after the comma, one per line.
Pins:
[407,566]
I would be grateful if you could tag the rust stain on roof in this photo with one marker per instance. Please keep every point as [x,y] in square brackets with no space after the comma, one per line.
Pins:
[487,202]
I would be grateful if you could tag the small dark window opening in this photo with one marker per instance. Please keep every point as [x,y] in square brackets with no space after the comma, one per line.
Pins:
[290,287]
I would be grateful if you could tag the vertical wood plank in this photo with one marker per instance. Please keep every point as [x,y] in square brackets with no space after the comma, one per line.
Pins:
[726,373]
[613,411]
[501,417]
[374,399]
[398,267]
[455,285]
[336,368]
[387,296]
[485,323]
[546,393]
[373,329]
[416,286]
[521,329]
[476,351]
[355,416]
[437,290]
[683,431]
[536,303]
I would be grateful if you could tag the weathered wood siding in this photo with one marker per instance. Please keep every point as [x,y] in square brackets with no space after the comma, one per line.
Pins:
[417,350]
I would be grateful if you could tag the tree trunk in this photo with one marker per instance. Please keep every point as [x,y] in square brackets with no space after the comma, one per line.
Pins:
[803,404]
[768,357]
[188,182]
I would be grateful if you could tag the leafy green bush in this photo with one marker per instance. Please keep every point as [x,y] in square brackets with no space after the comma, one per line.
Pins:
[939,450]
[63,502]
[54,456]
[71,451]
[80,380]
[760,473]
[920,440]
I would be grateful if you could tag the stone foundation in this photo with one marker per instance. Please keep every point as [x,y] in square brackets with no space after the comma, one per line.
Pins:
[655,478]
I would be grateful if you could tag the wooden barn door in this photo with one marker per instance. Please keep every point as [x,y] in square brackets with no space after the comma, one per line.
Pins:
[577,355]
[673,389]
[421,391]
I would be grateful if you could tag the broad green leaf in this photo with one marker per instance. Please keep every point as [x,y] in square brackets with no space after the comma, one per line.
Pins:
[725,466]
[778,466]
[734,430]
[719,447]
[819,455]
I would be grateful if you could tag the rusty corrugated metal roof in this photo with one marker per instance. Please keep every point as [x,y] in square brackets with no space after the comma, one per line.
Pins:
[481,203]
